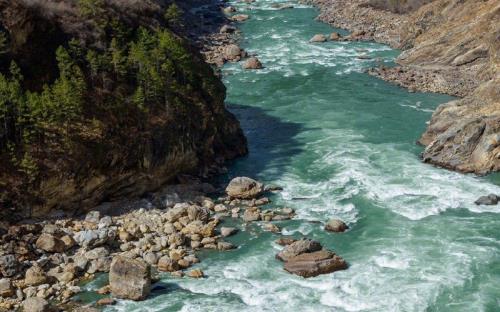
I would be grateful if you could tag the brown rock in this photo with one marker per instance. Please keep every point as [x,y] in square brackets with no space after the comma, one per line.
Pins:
[50,243]
[334,36]
[196,273]
[166,264]
[297,248]
[251,214]
[315,263]
[106,301]
[6,289]
[35,276]
[252,63]
[336,225]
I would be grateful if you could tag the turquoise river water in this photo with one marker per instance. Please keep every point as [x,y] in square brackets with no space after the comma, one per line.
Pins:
[344,142]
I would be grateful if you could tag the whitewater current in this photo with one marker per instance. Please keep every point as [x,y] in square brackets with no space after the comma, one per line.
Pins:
[342,145]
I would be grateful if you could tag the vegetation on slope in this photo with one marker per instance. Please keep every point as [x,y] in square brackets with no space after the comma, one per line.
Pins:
[118,98]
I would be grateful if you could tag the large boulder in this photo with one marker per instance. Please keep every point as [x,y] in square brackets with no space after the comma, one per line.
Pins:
[297,248]
[50,243]
[244,188]
[129,278]
[35,304]
[490,199]
[336,225]
[252,63]
[315,263]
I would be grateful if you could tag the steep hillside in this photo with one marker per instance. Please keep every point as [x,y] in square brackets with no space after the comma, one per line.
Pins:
[102,99]
[450,46]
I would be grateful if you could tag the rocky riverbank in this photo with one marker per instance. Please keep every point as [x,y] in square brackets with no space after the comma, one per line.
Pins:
[42,261]
[451,47]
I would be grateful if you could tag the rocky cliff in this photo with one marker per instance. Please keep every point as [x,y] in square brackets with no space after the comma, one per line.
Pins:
[449,46]
[103,99]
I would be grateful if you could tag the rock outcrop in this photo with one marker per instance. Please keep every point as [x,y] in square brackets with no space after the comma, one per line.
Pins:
[107,151]
[450,46]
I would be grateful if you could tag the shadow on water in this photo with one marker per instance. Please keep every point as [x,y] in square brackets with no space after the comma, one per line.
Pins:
[272,143]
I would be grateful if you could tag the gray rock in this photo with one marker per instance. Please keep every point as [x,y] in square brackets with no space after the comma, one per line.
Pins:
[490,199]
[93,216]
[97,253]
[9,265]
[105,222]
[244,188]
[130,278]
[297,248]
[35,304]
[336,225]
[150,257]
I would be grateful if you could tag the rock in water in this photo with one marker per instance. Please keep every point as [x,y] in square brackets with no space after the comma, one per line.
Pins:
[228,231]
[334,36]
[244,188]
[35,304]
[318,38]
[315,263]
[129,278]
[490,199]
[297,248]
[252,63]
[336,225]
[239,17]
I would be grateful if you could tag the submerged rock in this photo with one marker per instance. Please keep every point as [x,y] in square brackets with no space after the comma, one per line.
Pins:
[318,38]
[490,199]
[239,17]
[244,188]
[315,263]
[129,278]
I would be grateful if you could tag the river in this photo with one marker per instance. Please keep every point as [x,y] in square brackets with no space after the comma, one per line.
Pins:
[343,142]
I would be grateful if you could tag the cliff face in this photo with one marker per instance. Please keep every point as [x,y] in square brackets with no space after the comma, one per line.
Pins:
[449,46]
[101,99]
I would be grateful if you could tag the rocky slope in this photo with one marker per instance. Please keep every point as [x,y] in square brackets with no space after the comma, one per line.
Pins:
[106,100]
[449,46]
